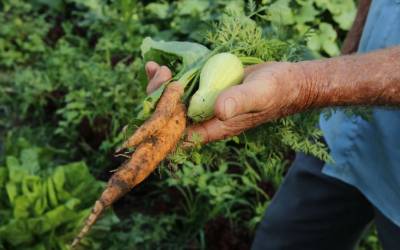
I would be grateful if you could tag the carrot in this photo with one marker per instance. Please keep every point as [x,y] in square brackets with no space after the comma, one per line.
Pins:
[164,110]
[154,147]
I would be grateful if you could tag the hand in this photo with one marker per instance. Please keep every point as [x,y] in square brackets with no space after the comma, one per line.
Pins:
[269,91]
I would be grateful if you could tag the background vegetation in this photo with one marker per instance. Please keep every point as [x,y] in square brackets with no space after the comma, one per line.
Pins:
[71,77]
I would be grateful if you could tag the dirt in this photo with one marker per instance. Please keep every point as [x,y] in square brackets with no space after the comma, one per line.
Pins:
[94,133]
[221,235]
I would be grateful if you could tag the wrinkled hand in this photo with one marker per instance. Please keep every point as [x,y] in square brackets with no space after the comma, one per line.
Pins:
[269,91]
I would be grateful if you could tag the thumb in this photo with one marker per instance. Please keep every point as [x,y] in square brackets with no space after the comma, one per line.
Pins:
[241,99]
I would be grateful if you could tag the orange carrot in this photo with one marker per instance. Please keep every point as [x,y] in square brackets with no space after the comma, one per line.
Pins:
[164,110]
[149,153]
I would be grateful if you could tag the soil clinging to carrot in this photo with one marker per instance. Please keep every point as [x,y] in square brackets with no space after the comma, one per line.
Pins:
[154,140]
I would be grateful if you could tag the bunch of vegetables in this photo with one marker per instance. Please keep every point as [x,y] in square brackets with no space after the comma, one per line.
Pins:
[201,74]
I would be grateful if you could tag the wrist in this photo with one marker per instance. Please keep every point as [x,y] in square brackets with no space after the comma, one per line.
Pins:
[307,81]
[324,82]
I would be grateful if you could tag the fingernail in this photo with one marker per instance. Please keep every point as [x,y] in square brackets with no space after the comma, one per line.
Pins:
[148,74]
[229,107]
[156,74]
[151,85]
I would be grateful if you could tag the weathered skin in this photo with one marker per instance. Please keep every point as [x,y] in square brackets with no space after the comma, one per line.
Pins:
[365,79]
[368,79]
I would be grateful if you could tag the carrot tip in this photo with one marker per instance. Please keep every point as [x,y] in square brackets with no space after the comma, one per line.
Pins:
[75,243]
[95,214]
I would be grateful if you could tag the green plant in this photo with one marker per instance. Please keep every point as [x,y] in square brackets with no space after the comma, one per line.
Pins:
[69,85]
[313,15]
[141,231]
[42,203]
[370,241]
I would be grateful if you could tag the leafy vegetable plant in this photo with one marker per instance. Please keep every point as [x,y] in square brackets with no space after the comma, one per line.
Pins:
[45,203]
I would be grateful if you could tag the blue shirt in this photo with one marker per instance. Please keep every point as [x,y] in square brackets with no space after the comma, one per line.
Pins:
[366,154]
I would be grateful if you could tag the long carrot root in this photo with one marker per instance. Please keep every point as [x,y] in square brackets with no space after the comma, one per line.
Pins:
[156,142]
[164,110]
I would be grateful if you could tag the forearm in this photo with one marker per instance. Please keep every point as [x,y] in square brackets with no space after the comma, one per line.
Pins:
[364,79]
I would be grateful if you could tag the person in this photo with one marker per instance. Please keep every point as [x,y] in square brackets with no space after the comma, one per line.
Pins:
[324,206]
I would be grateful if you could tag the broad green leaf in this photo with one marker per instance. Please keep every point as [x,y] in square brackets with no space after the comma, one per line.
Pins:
[15,170]
[41,205]
[346,18]
[22,205]
[235,6]
[69,189]
[192,7]
[331,47]
[95,7]
[158,9]
[75,174]
[328,37]
[32,187]
[343,12]
[16,233]
[51,193]
[314,42]
[322,3]
[188,52]
[12,191]
[280,13]
[302,28]
[58,179]
[72,203]
[307,13]
[57,217]
[324,38]
[79,181]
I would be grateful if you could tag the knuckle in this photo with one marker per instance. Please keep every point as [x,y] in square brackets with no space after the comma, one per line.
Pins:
[232,128]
